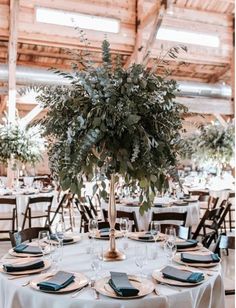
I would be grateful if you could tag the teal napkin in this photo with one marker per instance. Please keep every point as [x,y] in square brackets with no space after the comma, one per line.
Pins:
[182,275]
[119,282]
[23,267]
[187,244]
[59,281]
[65,239]
[194,258]
[24,248]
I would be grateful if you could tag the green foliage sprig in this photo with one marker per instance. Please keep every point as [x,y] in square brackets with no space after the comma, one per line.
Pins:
[112,120]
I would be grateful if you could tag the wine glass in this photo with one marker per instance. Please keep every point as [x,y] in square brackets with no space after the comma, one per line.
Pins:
[170,242]
[44,241]
[124,227]
[60,234]
[93,227]
[155,230]
[140,258]
[96,260]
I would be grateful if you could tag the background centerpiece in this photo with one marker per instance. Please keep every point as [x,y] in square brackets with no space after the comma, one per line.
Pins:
[19,146]
[112,121]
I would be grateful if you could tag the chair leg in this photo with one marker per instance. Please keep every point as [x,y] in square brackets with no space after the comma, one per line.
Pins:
[230,221]
[29,217]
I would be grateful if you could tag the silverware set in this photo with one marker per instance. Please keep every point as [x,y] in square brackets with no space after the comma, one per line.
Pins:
[91,284]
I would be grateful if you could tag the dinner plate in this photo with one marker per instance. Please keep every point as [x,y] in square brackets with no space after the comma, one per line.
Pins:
[47,264]
[190,200]
[79,282]
[29,255]
[157,274]
[76,239]
[118,234]
[135,236]
[177,258]
[144,285]
[196,248]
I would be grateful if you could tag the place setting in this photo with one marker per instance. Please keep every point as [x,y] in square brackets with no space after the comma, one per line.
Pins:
[196,259]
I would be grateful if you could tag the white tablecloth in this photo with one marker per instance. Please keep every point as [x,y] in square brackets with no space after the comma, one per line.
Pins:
[193,213]
[22,201]
[210,294]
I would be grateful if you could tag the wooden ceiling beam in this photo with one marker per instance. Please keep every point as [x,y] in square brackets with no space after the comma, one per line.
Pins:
[12,57]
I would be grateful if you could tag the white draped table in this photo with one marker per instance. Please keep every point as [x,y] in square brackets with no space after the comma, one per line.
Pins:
[210,294]
[22,200]
[192,209]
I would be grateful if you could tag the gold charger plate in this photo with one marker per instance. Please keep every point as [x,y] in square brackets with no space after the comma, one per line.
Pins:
[47,264]
[118,234]
[135,236]
[29,255]
[79,282]
[177,259]
[157,274]
[144,285]
[76,239]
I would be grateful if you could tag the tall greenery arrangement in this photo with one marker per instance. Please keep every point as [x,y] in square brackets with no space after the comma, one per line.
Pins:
[213,142]
[112,120]
[23,145]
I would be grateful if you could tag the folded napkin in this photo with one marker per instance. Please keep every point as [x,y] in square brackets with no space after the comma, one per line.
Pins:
[158,205]
[24,248]
[186,244]
[23,267]
[66,239]
[147,236]
[182,275]
[180,203]
[194,258]
[119,282]
[59,281]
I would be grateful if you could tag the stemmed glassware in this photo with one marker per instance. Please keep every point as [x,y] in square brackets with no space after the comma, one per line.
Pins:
[170,242]
[140,258]
[124,227]
[44,242]
[155,230]
[96,260]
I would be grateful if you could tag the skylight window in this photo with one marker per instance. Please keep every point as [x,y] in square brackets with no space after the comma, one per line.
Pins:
[70,19]
[188,37]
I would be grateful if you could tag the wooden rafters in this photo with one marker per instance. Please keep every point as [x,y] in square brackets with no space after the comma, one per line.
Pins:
[12,57]
[154,16]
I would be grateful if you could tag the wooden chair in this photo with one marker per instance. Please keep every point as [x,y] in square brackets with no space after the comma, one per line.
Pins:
[216,217]
[10,215]
[122,214]
[178,218]
[93,210]
[30,214]
[226,243]
[59,209]
[232,210]
[202,195]
[26,235]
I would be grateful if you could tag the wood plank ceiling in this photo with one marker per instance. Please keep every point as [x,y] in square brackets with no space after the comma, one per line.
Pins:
[43,45]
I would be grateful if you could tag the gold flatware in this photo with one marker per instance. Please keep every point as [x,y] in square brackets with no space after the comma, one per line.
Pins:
[96,293]
[78,291]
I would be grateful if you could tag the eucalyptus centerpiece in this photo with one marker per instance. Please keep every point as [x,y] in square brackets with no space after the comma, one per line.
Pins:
[213,143]
[112,121]
[20,145]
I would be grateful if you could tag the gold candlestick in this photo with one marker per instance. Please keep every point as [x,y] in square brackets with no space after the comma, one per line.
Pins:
[112,254]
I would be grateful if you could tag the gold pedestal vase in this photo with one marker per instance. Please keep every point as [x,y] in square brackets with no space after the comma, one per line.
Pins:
[112,254]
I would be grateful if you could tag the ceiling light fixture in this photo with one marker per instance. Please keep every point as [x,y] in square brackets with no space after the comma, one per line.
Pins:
[187,37]
[71,19]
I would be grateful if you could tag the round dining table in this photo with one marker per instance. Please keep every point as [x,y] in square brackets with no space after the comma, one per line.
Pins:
[77,258]
[192,209]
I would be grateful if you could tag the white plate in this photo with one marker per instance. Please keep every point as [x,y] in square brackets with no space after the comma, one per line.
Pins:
[47,264]
[157,274]
[79,282]
[144,285]
[177,258]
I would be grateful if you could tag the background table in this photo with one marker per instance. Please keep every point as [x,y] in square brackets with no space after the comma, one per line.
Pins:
[207,295]
[193,213]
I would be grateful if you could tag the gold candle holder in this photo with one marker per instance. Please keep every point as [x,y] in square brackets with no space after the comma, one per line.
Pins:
[112,254]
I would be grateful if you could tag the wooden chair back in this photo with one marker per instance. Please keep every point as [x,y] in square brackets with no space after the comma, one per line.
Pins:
[10,203]
[123,214]
[179,218]
[26,235]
